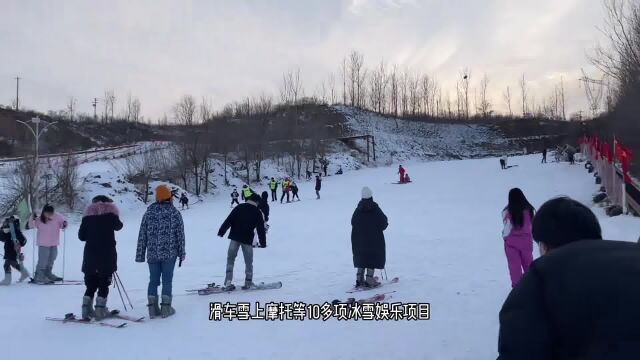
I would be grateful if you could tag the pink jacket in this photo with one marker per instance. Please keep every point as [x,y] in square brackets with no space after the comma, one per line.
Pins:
[510,231]
[49,233]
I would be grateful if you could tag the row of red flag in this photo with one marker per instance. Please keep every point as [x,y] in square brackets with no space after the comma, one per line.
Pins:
[601,150]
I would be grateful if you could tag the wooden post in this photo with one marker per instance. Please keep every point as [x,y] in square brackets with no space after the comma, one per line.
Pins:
[373,141]
[367,148]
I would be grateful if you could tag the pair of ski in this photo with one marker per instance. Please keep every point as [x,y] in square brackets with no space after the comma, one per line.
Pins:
[115,314]
[218,289]
[380,284]
[370,300]
[63,282]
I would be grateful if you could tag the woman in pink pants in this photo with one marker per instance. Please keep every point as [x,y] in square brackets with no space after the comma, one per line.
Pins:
[518,241]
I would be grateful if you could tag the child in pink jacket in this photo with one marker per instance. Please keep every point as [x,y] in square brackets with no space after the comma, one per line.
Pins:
[518,241]
[48,226]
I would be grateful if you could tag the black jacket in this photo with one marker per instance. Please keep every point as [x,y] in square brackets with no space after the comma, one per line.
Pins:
[264,206]
[97,229]
[243,221]
[367,239]
[9,246]
[580,301]
[318,183]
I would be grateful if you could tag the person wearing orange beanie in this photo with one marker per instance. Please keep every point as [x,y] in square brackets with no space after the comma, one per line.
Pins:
[161,240]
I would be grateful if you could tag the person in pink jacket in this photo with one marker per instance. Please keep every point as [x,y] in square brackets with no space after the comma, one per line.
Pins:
[518,241]
[48,226]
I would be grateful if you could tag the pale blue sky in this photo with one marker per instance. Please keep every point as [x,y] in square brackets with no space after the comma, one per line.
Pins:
[159,50]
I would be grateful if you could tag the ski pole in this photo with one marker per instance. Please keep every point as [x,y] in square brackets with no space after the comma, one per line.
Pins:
[115,284]
[124,290]
[64,251]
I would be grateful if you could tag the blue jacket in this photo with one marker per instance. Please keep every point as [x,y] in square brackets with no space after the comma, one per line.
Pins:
[161,234]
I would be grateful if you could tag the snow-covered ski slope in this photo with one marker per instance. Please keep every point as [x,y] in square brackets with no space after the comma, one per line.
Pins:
[443,242]
[399,140]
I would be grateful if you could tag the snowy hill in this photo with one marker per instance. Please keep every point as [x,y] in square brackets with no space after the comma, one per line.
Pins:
[445,254]
[401,140]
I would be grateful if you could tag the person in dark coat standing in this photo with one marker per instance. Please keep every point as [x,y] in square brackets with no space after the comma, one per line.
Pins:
[579,300]
[367,239]
[318,185]
[99,224]
[14,240]
[263,205]
[544,155]
[244,220]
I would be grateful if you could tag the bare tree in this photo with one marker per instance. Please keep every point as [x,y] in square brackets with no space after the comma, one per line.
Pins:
[109,105]
[71,108]
[184,111]
[132,110]
[394,90]
[562,100]
[67,180]
[484,107]
[332,88]
[291,89]
[621,59]
[357,75]
[507,100]
[523,94]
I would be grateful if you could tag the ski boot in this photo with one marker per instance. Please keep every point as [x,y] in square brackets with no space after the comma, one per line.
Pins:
[24,274]
[165,307]
[51,276]
[7,279]
[154,309]
[87,308]
[101,311]
[41,279]
[248,284]
[228,286]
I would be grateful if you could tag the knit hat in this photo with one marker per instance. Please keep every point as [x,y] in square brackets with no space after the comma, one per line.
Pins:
[163,193]
[366,193]
[255,198]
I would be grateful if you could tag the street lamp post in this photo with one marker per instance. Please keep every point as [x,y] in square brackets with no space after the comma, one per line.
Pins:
[37,133]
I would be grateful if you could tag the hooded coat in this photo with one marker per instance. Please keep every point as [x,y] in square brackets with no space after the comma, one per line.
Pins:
[100,222]
[10,252]
[367,238]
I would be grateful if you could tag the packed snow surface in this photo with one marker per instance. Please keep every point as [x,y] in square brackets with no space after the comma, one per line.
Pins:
[443,242]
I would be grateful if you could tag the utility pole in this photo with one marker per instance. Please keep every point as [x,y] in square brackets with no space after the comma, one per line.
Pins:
[95,103]
[17,92]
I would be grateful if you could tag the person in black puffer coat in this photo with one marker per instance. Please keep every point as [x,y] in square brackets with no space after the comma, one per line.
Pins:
[579,300]
[367,239]
[101,220]
[13,239]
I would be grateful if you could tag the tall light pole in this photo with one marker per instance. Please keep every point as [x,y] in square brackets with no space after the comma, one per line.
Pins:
[37,133]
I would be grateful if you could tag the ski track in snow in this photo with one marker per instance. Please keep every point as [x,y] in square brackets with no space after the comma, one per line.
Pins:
[443,241]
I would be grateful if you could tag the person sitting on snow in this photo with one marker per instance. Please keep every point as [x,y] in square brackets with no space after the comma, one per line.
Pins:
[407,179]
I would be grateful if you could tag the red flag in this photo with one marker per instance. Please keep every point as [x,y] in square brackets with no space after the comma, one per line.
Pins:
[625,160]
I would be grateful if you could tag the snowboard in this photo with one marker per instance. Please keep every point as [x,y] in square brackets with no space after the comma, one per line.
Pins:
[382,283]
[218,289]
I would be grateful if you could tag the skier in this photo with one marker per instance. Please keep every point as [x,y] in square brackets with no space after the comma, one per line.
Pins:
[273,185]
[246,192]
[294,191]
[550,314]
[407,179]
[161,237]
[14,240]
[339,172]
[285,189]
[308,174]
[184,201]
[234,197]
[518,242]
[401,171]
[318,185]
[100,221]
[571,152]
[48,224]
[503,162]
[263,205]
[544,155]
[367,239]
[325,167]
[243,221]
